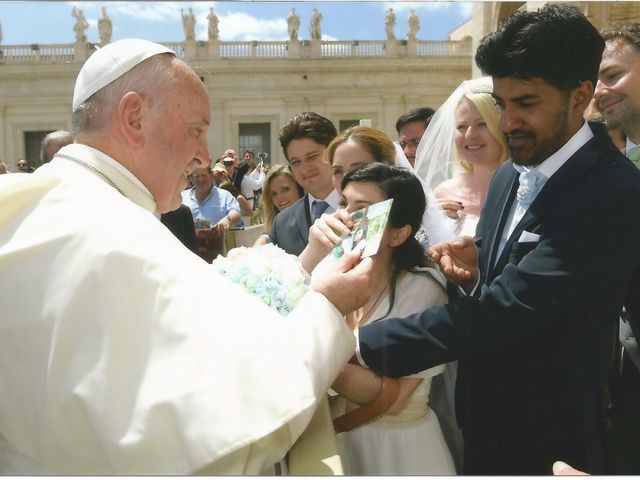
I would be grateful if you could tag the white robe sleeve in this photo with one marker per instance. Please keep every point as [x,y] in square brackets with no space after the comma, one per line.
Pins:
[124,353]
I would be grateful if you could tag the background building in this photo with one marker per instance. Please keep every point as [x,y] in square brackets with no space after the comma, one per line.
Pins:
[255,86]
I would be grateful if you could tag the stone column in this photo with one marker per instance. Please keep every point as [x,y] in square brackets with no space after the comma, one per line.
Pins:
[316,48]
[392,108]
[215,140]
[391,48]
[481,25]
[80,52]
[190,50]
[293,49]
[412,47]
[214,48]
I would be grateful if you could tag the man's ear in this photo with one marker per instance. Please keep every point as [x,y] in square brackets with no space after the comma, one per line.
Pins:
[581,96]
[131,116]
[397,236]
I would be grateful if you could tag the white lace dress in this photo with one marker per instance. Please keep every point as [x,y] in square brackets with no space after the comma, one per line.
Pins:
[410,443]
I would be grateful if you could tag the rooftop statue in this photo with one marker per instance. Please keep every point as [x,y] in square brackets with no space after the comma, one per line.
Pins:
[81,25]
[105,28]
[213,25]
[414,25]
[293,24]
[316,18]
[390,23]
[189,24]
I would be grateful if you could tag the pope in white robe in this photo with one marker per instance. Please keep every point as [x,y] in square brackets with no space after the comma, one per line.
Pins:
[121,352]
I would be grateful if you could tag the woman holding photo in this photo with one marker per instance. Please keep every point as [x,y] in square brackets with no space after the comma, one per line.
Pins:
[394,432]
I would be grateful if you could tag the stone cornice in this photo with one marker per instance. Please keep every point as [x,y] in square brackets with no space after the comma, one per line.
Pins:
[218,70]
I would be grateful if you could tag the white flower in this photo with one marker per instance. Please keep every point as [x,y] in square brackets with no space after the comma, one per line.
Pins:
[268,272]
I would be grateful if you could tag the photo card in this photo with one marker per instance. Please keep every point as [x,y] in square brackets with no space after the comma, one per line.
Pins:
[369,224]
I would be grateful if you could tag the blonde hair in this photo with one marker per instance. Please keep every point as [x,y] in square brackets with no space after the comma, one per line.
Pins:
[375,142]
[489,112]
[266,204]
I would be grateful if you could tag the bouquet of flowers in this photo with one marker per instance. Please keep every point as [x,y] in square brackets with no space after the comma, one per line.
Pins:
[267,272]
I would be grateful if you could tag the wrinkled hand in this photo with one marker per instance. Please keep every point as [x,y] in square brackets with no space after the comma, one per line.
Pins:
[346,283]
[458,261]
[451,207]
[561,468]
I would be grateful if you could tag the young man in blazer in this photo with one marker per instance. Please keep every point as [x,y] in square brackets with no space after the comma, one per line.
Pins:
[303,139]
[555,251]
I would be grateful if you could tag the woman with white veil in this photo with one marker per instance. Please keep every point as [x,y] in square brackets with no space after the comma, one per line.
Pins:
[461,149]
[459,152]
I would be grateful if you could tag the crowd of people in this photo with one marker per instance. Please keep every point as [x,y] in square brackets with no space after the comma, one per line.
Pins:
[489,348]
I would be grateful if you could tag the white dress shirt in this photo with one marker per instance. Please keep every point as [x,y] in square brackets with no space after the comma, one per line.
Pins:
[333,199]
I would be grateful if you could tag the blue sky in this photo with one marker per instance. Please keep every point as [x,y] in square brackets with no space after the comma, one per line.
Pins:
[51,22]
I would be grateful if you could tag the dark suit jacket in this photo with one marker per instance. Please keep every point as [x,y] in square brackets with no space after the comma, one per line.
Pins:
[180,222]
[290,230]
[630,324]
[535,342]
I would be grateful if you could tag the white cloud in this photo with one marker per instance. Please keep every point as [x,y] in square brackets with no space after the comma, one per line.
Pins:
[462,9]
[232,26]
[243,27]
[150,12]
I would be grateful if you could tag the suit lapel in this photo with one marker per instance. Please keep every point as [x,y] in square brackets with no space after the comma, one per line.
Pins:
[557,189]
[303,220]
[507,192]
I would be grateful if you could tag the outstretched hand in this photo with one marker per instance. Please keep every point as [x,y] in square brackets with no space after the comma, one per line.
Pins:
[458,261]
[346,283]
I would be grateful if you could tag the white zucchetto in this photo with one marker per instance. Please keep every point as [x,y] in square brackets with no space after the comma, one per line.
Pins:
[111,62]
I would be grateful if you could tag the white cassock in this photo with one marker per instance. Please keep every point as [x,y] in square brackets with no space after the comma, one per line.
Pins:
[121,352]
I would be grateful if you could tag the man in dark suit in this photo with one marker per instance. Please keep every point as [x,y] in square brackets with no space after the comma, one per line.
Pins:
[616,97]
[303,139]
[555,251]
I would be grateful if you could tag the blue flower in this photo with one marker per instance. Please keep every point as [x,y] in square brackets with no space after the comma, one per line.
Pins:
[268,272]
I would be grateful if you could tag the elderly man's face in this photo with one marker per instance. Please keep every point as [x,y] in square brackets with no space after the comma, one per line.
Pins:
[178,141]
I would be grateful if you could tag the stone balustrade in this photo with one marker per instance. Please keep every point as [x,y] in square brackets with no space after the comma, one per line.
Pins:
[214,49]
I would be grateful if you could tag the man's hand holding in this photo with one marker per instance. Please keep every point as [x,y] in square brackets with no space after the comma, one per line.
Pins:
[347,283]
[458,261]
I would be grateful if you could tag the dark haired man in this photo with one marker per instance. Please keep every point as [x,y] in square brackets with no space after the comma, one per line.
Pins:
[303,139]
[556,249]
[410,127]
